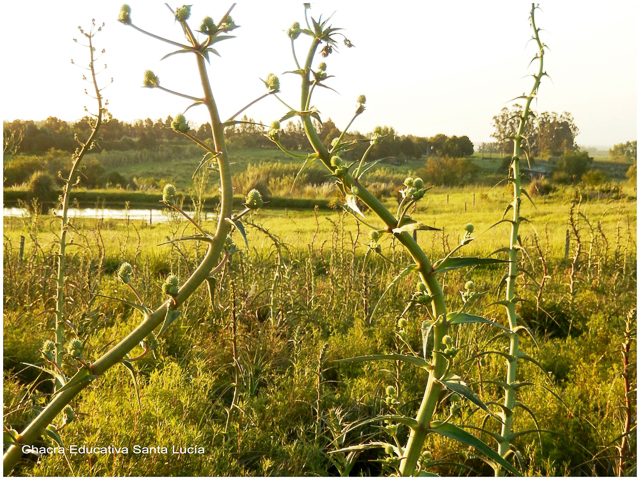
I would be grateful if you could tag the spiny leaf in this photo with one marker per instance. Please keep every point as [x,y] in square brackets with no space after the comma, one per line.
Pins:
[175,53]
[170,317]
[462,389]
[451,431]
[401,275]
[411,226]
[453,263]
[288,115]
[409,422]
[55,374]
[364,446]
[142,308]
[81,378]
[392,356]
[194,104]
[455,318]
[240,227]
[127,364]
[54,435]
[308,161]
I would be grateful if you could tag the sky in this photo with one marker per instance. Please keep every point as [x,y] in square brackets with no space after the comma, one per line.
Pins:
[426,67]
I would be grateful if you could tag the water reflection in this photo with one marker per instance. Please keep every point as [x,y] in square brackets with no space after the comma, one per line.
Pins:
[150,215]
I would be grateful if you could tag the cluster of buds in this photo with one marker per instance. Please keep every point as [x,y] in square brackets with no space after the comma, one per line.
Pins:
[229,246]
[391,398]
[183,13]
[48,350]
[374,237]
[124,273]
[421,294]
[469,286]
[450,350]
[455,403]
[179,124]
[425,457]
[321,73]
[376,138]
[274,132]
[125,14]
[150,342]
[339,169]
[402,328]
[74,348]
[228,24]
[208,26]
[272,83]
[254,199]
[361,101]
[414,188]
[294,31]
[170,285]
[169,194]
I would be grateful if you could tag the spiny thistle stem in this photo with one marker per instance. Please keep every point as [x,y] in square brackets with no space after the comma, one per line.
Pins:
[514,339]
[114,356]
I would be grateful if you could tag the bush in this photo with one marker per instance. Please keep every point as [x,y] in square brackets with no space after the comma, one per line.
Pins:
[632,174]
[593,178]
[561,178]
[41,186]
[540,186]
[449,171]
[574,164]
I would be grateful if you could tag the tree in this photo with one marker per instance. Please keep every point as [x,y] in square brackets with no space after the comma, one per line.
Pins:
[574,164]
[627,152]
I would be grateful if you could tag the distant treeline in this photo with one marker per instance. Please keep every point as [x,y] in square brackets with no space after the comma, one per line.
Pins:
[37,138]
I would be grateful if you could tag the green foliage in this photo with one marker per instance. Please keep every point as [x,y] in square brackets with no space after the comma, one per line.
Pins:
[574,164]
[627,152]
[593,178]
[41,187]
[449,171]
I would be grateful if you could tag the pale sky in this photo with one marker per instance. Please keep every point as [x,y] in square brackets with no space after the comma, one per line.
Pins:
[425,67]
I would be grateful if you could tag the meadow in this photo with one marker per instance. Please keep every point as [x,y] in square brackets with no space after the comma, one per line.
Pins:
[246,371]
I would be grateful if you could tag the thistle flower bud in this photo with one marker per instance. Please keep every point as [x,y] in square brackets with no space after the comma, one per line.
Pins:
[408,182]
[169,194]
[254,199]
[150,342]
[424,299]
[418,183]
[469,227]
[228,24]
[170,285]
[390,390]
[74,348]
[336,162]
[124,272]
[455,398]
[362,99]
[208,26]
[377,249]
[375,139]
[322,67]
[125,14]
[421,287]
[426,457]
[335,141]
[294,31]
[179,124]
[447,340]
[48,350]
[274,135]
[150,79]
[183,13]
[272,82]
[402,323]
[388,449]
[374,235]
[469,285]
[275,125]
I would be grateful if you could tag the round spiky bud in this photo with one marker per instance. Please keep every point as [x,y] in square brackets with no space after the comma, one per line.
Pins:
[125,14]
[208,26]
[388,449]
[169,194]
[447,340]
[469,285]
[275,125]
[362,99]
[421,287]
[374,235]
[377,248]
[336,162]
[390,390]
[254,199]
[294,31]
[455,398]
[391,430]
[183,13]
[426,457]
[335,141]
[170,285]
[418,183]
[179,124]
[74,348]
[408,182]
[424,299]
[402,323]
[150,79]
[322,67]
[150,342]
[124,272]
[469,227]
[228,24]
[48,350]
[272,82]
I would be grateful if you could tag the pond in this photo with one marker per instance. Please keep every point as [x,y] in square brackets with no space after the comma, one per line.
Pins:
[153,215]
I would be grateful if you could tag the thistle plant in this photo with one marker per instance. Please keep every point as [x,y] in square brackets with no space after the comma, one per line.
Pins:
[438,328]
[165,314]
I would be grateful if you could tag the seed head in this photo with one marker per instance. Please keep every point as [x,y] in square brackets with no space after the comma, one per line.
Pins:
[150,79]
[124,272]
[272,82]
[388,449]
[208,26]
[169,194]
[424,299]
[125,14]
[274,135]
[402,323]
[326,51]
[426,456]
[254,199]
[469,227]
[294,31]
[377,248]
[362,99]
[179,124]
[183,13]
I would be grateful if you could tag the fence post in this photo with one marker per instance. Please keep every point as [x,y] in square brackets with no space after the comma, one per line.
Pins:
[21,248]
